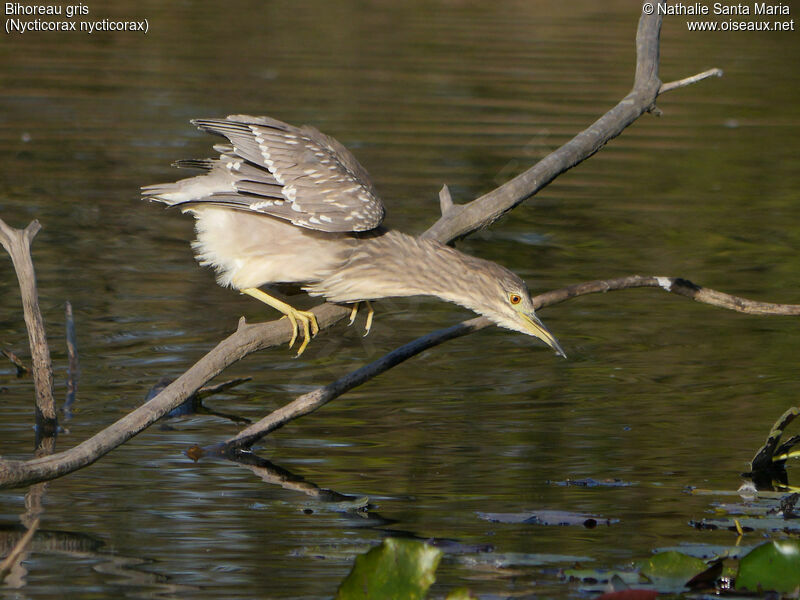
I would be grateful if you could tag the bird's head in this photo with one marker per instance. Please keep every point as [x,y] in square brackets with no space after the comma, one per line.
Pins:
[504,298]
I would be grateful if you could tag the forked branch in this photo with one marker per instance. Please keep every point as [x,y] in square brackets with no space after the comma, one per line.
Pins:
[457,221]
[461,220]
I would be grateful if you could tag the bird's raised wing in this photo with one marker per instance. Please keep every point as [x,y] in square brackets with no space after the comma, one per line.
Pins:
[272,168]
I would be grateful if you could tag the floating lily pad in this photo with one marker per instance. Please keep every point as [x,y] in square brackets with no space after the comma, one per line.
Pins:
[670,571]
[709,551]
[750,524]
[397,568]
[665,572]
[595,576]
[774,566]
[351,505]
[589,482]
[548,517]
[517,559]
[752,510]
[778,512]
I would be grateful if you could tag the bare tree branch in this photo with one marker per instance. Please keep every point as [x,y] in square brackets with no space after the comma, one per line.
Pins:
[308,403]
[456,221]
[73,368]
[673,85]
[16,361]
[462,220]
[250,338]
[245,340]
[17,243]
[675,285]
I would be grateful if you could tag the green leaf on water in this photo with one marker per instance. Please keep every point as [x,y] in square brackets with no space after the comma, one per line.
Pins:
[398,568]
[670,571]
[774,566]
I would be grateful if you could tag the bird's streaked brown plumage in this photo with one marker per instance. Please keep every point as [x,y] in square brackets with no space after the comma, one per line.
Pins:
[284,204]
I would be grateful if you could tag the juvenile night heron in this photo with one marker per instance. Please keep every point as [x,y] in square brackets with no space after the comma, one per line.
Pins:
[286,204]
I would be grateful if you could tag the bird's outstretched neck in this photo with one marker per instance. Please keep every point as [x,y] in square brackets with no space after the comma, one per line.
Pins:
[390,263]
[394,264]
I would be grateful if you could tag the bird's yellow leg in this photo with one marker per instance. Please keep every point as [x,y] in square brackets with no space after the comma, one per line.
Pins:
[370,314]
[309,321]
[353,313]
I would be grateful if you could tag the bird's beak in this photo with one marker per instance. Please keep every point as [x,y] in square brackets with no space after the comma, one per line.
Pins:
[537,329]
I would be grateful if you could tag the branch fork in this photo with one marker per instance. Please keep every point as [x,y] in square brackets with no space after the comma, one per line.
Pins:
[456,221]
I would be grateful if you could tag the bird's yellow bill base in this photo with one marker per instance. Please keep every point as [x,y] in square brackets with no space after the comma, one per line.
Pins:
[308,319]
[370,315]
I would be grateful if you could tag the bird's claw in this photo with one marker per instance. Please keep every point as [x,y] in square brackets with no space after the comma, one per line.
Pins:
[370,315]
[310,328]
[353,313]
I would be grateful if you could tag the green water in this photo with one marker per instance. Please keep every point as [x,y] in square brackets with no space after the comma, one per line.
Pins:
[658,391]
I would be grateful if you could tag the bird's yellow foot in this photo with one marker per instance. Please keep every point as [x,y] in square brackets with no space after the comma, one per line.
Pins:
[307,318]
[370,315]
[310,327]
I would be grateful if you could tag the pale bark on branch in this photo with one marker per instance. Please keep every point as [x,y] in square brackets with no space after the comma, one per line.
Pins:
[456,222]
[17,243]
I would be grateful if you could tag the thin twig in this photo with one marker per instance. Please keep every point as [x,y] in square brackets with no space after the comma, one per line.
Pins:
[16,361]
[17,243]
[73,368]
[673,85]
[675,285]
[308,403]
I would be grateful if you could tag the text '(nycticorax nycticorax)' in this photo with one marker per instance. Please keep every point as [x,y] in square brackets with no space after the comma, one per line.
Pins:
[286,204]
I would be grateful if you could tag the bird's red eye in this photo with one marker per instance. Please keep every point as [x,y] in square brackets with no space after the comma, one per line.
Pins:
[515,298]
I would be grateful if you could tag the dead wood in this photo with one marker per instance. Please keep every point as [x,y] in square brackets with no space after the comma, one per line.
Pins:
[456,221]
[17,243]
